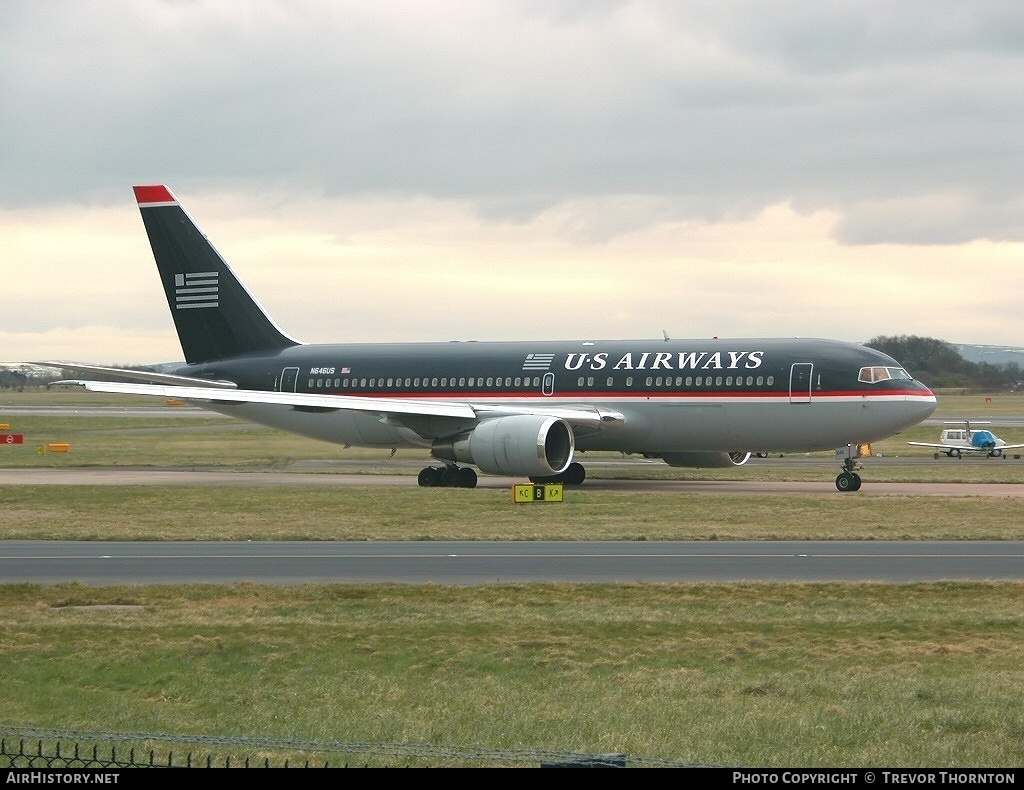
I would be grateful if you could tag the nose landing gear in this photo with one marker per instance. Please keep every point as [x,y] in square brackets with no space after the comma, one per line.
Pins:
[848,479]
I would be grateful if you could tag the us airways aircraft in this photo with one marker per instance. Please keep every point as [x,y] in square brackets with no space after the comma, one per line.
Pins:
[509,408]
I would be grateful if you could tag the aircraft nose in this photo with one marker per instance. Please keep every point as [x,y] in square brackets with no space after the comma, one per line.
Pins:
[921,407]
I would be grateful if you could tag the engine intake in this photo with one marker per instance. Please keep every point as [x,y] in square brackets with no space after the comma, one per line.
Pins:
[522,444]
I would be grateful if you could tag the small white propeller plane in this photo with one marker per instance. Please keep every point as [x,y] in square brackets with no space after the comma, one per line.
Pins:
[956,442]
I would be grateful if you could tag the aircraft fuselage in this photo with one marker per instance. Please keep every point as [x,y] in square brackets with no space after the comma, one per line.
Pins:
[784,395]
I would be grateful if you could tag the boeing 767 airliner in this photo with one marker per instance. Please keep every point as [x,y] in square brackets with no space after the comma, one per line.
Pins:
[510,408]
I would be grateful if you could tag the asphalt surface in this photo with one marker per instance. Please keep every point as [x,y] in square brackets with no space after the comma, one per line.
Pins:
[504,562]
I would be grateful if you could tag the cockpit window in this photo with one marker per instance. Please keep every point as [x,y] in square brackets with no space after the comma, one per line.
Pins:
[876,374]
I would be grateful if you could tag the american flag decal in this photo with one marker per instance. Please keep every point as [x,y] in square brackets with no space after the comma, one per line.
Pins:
[538,361]
[196,289]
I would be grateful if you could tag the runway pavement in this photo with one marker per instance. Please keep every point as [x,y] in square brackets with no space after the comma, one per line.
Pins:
[507,562]
[142,477]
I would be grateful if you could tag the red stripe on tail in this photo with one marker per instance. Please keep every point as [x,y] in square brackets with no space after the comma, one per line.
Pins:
[155,193]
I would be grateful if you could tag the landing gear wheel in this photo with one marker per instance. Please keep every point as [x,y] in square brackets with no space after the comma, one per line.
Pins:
[848,481]
[447,476]
[429,477]
[574,475]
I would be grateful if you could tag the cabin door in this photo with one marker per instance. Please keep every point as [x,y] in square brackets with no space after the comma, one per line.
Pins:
[800,382]
[548,383]
[289,378]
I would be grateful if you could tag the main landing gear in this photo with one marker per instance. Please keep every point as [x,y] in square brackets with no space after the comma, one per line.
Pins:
[573,475]
[447,476]
[848,479]
[452,476]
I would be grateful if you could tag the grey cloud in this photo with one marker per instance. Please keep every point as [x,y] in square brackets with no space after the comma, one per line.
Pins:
[722,108]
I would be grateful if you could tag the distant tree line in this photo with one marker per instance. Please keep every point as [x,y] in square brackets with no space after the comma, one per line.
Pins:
[16,380]
[940,366]
[27,376]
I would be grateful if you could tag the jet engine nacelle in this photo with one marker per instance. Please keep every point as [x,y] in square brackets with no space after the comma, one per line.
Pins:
[706,460]
[521,444]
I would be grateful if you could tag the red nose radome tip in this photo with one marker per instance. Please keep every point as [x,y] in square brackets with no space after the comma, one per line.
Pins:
[153,193]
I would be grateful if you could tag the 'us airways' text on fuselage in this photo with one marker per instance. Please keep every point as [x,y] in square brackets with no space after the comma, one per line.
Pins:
[665,360]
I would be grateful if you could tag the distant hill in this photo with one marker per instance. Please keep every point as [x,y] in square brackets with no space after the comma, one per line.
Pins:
[992,355]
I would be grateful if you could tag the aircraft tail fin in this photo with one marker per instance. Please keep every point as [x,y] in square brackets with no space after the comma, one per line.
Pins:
[214,313]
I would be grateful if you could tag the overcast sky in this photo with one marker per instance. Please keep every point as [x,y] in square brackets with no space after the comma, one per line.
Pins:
[506,170]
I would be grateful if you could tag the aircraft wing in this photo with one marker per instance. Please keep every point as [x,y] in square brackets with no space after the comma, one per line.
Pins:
[960,447]
[141,376]
[391,408]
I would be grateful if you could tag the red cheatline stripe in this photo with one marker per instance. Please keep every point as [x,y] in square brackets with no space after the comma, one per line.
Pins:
[154,193]
[588,396]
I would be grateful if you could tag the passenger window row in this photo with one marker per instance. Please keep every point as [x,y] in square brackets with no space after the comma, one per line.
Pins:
[528,382]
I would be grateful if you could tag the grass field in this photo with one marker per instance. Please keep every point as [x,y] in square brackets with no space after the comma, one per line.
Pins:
[756,675]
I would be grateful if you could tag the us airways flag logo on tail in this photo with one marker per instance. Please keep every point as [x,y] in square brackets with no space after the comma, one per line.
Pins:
[196,289]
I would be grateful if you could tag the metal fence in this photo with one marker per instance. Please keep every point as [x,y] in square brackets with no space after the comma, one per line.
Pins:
[31,748]
[59,755]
